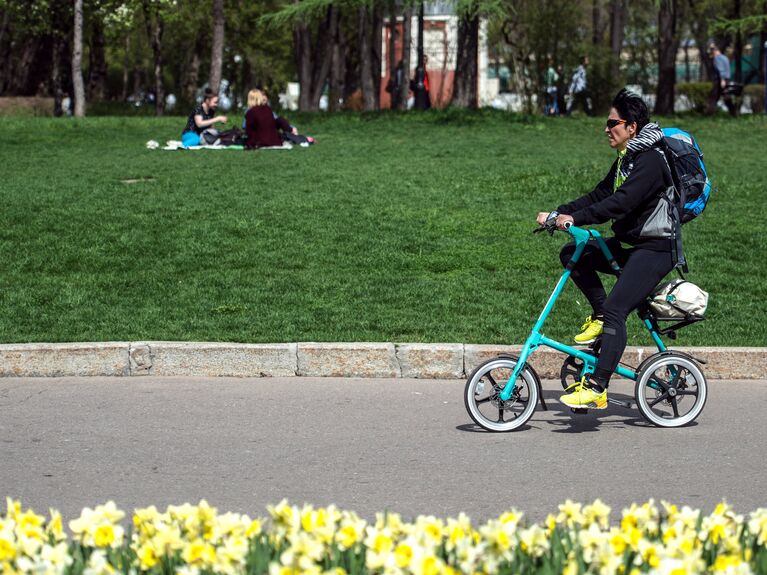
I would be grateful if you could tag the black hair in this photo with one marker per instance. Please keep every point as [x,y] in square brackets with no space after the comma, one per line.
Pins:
[631,107]
[208,94]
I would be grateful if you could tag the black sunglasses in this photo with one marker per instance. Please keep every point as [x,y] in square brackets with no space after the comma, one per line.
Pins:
[612,123]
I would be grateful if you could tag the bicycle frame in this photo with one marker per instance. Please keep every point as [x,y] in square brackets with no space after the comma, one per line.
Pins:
[537,339]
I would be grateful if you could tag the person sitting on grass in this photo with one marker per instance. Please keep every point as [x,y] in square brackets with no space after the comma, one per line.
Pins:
[257,98]
[262,125]
[201,118]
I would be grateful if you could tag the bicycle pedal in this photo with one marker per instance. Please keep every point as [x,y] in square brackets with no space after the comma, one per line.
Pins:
[579,410]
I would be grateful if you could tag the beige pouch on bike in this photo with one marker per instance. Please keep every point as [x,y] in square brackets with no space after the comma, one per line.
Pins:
[678,299]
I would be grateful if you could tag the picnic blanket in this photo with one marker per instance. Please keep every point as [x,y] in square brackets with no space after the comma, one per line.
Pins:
[177,145]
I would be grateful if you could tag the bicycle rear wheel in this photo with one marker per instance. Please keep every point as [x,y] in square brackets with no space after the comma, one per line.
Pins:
[670,390]
[483,389]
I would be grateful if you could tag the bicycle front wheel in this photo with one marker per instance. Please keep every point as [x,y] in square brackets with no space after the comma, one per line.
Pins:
[483,389]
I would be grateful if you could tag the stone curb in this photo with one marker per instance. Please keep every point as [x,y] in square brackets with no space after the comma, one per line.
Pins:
[393,360]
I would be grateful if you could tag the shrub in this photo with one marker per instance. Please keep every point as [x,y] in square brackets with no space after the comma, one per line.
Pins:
[755,93]
[26,106]
[697,93]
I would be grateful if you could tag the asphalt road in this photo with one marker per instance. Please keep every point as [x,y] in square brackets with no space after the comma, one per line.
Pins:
[367,445]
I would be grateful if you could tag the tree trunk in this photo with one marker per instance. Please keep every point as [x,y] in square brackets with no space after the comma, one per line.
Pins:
[56,83]
[126,68]
[323,53]
[407,19]
[98,63]
[366,59]
[699,29]
[617,31]
[3,28]
[377,53]
[154,30]
[313,58]
[668,44]
[77,61]
[738,50]
[19,71]
[596,22]
[192,76]
[762,50]
[337,70]
[392,88]
[465,83]
[302,40]
[5,54]
[217,51]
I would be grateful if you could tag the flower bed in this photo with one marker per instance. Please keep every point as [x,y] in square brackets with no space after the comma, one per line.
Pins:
[197,540]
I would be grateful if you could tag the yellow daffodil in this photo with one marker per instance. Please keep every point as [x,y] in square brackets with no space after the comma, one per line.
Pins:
[570,514]
[534,540]
[429,530]
[147,556]
[757,525]
[458,530]
[598,513]
[199,553]
[254,528]
[7,549]
[350,532]
[98,564]
[380,545]
[285,517]
[57,556]
[404,553]
[13,508]
[428,564]
[55,526]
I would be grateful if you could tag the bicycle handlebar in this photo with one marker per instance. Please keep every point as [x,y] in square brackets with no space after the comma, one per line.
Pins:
[550,226]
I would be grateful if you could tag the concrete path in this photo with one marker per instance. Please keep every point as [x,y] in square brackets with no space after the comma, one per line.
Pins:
[364,444]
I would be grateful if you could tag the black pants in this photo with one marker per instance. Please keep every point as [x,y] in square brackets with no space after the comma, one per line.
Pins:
[580,99]
[717,92]
[641,271]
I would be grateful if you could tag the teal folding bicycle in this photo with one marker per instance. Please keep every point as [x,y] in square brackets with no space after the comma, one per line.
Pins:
[670,389]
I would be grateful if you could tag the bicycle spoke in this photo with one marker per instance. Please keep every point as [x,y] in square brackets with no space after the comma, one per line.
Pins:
[658,400]
[481,401]
[500,415]
[674,407]
[675,381]
[663,383]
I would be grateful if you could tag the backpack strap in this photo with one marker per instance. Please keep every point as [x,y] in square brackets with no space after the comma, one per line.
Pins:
[677,250]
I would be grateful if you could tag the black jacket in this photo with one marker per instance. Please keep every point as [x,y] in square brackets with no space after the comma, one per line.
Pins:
[641,206]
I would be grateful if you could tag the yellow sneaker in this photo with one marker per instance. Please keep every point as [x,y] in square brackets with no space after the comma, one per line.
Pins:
[584,397]
[590,330]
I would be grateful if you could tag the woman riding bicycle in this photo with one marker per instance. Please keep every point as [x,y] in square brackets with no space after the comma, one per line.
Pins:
[638,195]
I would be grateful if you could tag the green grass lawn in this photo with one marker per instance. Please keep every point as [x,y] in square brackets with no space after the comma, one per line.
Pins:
[394,227]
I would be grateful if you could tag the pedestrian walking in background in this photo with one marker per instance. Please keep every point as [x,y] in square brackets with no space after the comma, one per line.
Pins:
[578,91]
[394,85]
[550,104]
[720,81]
